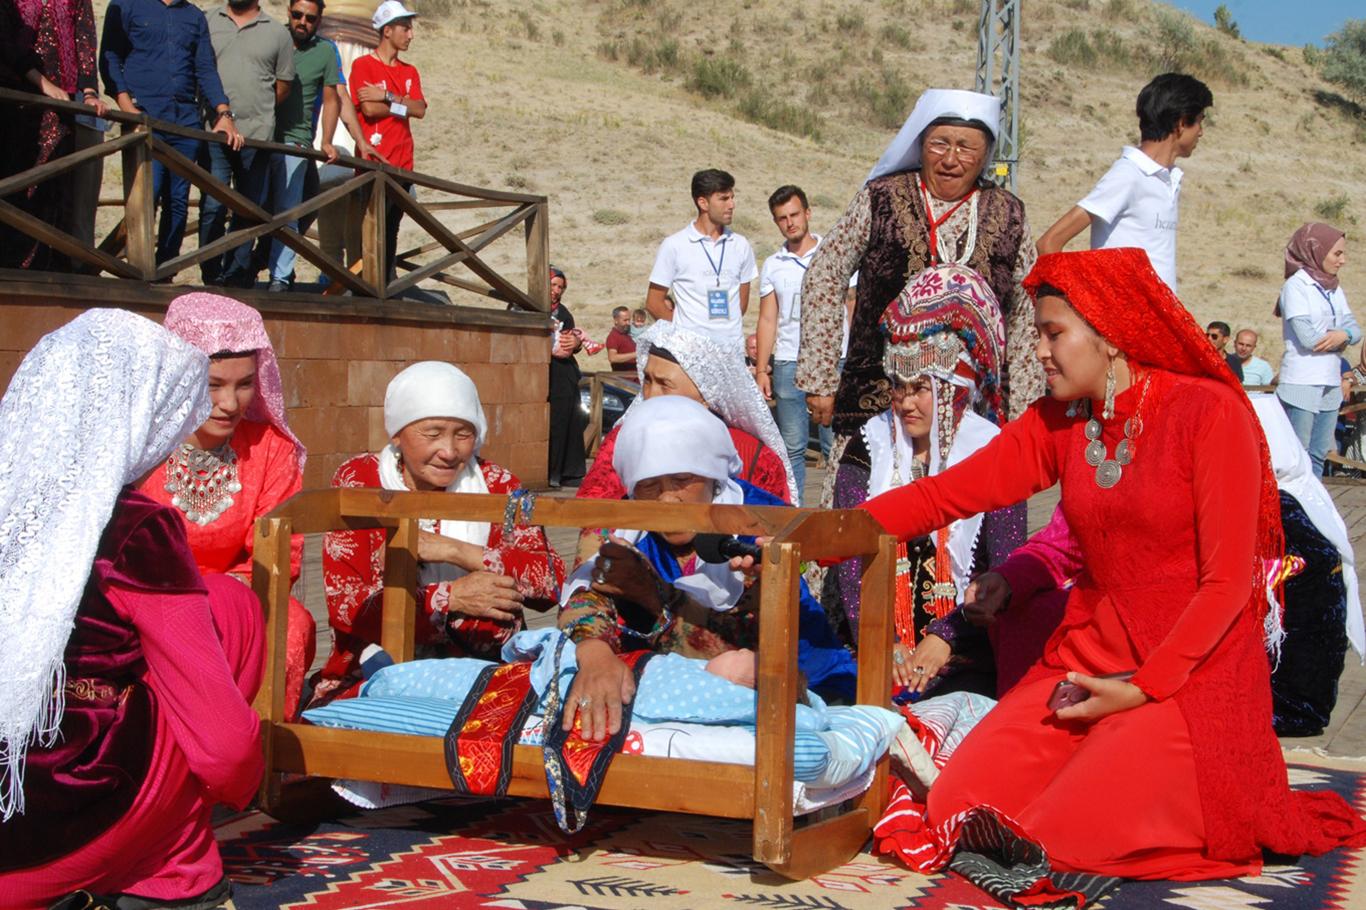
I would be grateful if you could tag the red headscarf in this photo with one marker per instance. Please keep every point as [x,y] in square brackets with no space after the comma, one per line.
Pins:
[1118,292]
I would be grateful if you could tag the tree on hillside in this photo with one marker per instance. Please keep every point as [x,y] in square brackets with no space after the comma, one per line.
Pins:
[1344,62]
[1223,20]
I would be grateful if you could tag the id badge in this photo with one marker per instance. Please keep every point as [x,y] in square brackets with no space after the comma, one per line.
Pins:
[718,303]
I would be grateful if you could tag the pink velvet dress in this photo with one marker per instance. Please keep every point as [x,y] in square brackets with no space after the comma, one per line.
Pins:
[268,469]
[158,727]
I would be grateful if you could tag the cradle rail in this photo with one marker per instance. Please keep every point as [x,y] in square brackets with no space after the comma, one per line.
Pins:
[762,793]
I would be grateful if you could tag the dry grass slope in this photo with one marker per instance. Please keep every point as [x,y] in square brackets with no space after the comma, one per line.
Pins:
[608,106]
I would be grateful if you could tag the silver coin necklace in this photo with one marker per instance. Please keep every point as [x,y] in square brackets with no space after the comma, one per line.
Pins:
[1109,468]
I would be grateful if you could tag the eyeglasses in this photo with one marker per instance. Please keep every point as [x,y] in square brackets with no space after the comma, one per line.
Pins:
[942,147]
[306,17]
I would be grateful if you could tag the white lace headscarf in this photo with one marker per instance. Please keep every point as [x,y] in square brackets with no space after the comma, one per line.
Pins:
[94,406]
[718,370]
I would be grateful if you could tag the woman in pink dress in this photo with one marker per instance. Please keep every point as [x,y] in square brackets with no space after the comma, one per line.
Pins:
[240,463]
[125,677]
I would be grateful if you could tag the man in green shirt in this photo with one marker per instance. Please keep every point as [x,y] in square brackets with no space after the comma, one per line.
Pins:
[316,76]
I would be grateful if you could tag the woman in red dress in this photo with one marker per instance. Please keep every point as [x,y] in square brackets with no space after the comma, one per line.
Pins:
[242,463]
[473,578]
[126,678]
[1174,772]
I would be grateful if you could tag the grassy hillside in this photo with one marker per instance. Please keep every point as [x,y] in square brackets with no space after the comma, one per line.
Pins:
[608,106]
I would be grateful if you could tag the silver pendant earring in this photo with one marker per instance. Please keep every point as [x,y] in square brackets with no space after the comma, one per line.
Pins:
[1109,412]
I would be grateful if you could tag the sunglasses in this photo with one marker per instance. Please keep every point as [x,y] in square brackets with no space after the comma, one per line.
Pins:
[1213,336]
[306,17]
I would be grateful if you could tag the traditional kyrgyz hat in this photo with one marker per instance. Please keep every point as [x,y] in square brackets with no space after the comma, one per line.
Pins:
[947,323]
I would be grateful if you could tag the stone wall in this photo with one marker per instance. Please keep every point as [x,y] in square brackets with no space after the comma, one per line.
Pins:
[336,358]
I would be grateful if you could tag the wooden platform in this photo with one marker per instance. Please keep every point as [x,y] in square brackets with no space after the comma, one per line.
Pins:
[1346,735]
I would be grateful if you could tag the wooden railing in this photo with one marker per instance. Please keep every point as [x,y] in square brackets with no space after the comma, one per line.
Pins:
[129,251]
[626,382]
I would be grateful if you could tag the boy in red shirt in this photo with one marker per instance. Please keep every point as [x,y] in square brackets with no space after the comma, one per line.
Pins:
[387,93]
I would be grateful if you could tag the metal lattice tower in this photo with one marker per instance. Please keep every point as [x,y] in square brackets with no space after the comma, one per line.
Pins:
[998,73]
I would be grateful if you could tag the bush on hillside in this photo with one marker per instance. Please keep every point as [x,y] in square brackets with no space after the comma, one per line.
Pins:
[1223,20]
[1334,210]
[1072,48]
[758,106]
[718,77]
[886,100]
[1178,48]
[1344,62]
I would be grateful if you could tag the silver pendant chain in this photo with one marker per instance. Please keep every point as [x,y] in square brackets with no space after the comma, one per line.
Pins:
[202,481]
[1110,469]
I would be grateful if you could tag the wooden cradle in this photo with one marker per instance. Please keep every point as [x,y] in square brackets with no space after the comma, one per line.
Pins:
[762,793]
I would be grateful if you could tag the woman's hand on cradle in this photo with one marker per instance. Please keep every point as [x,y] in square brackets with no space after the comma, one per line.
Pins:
[601,686]
[986,596]
[1332,340]
[918,668]
[1108,696]
[620,571]
[485,595]
[439,548]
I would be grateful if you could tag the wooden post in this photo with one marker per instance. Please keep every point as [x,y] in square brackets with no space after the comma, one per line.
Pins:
[374,236]
[399,630]
[139,207]
[592,437]
[876,605]
[271,583]
[538,256]
[777,710]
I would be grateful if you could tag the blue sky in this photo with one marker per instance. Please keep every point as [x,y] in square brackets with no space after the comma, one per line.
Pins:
[1281,22]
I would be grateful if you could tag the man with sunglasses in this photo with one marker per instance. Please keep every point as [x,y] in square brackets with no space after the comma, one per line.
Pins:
[317,73]
[1217,333]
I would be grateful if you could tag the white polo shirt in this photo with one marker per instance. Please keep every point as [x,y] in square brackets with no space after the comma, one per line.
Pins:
[1135,204]
[782,275]
[705,279]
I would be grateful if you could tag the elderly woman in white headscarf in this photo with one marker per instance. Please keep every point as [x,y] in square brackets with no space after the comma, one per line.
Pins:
[671,360]
[125,678]
[925,203]
[660,592]
[473,578]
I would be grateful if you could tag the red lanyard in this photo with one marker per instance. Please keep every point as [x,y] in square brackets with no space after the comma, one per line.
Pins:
[936,223]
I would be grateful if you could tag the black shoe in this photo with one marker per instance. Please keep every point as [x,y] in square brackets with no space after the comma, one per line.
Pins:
[212,899]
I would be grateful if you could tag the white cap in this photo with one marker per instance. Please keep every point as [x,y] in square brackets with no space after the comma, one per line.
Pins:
[388,11]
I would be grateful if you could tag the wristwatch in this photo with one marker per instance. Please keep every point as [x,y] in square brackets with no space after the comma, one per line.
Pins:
[227,112]
[389,97]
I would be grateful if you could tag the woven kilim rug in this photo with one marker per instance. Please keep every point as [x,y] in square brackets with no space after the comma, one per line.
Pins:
[454,854]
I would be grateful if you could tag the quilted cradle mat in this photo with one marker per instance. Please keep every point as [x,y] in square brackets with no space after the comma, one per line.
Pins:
[454,854]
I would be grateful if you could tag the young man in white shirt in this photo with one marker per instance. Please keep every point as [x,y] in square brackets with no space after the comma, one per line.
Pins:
[707,267]
[1135,203]
[779,330]
[1256,371]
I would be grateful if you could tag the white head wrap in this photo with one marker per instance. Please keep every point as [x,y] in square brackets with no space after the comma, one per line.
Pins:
[904,152]
[94,406]
[1295,475]
[436,389]
[433,389]
[671,434]
[718,371]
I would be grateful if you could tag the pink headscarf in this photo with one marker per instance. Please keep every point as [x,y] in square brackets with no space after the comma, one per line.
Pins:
[1306,250]
[216,324]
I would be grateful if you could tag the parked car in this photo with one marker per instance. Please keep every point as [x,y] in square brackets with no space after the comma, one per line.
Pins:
[617,395]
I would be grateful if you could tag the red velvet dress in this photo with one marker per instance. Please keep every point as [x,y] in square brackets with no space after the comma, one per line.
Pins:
[761,467]
[161,669]
[268,470]
[353,576]
[1191,784]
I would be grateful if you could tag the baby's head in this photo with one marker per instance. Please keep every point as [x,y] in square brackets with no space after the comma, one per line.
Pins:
[740,666]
